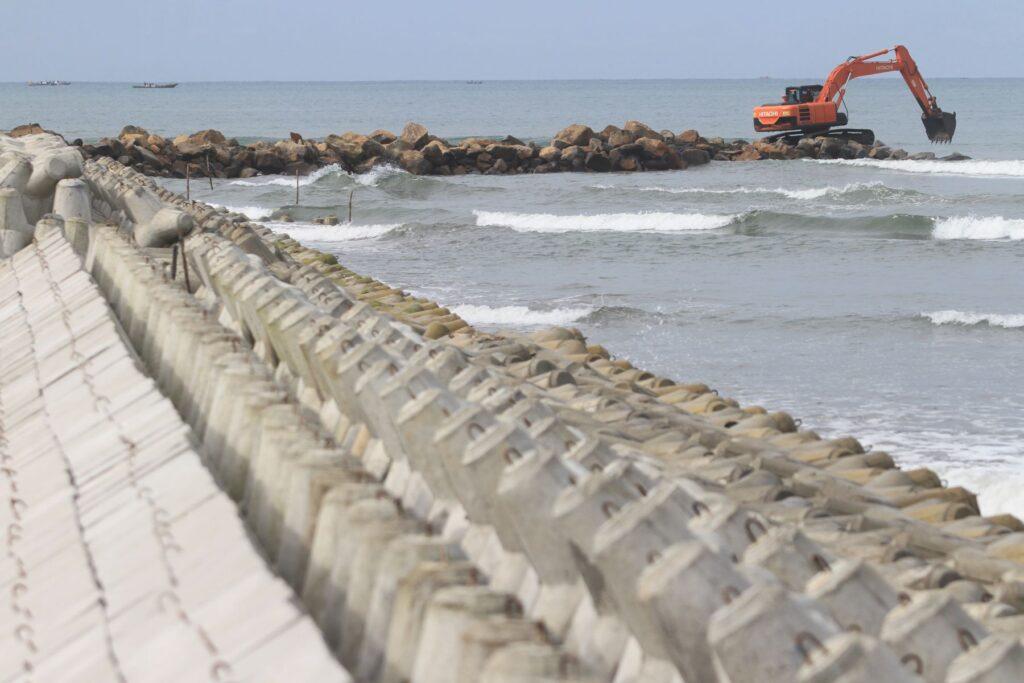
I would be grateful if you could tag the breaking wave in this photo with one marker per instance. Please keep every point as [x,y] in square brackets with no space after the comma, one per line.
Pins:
[520,315]
[253,213]
[978,228]
[371,178]
[871,188]
[332,169]
[617,222]
[967,319]
[312,232]
[1004,168]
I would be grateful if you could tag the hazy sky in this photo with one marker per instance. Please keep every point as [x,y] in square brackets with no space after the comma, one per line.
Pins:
[196,40]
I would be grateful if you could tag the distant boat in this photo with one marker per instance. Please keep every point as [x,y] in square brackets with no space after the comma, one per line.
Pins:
[474,82]
[149,86]
[49,83]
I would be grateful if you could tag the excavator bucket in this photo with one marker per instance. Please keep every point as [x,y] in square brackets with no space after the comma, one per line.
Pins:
[939,126]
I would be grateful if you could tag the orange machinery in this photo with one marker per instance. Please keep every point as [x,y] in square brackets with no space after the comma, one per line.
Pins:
[814,109]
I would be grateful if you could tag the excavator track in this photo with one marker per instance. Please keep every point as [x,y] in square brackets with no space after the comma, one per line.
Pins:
[862,135]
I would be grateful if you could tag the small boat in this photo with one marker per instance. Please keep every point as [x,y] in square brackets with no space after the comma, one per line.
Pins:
[34,83]
[150,86]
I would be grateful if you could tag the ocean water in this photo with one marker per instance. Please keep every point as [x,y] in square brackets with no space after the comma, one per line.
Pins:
[879,299]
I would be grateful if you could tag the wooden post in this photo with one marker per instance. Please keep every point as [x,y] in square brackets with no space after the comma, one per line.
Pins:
[188,181]
[184,265]
[174,261]
[208,174]
[350,194]
[296,187]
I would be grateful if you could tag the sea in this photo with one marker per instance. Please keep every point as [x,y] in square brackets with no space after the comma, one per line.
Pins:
[879,299]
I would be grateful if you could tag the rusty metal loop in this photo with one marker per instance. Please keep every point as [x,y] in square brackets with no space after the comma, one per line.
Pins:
[966,638]
[752,524]
[903,598]
[911,658]
[475,431]
[512,455]
[609,508]
[802,639]
[700,508]
[730,593]
[820,563]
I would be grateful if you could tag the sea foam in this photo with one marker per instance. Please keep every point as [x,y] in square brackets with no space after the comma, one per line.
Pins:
[800,194]
[969,319]
[978,228]
[1003,168]
[520,315]
[254,213]
[312,232]
[619,222]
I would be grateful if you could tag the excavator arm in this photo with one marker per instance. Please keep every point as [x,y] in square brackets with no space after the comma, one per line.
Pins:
[938,125]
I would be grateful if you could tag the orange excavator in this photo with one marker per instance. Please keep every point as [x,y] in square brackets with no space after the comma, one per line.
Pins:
[814,109]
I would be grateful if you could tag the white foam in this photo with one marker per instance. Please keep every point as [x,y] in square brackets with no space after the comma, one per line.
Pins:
[520,315]
[978,228]
[802,194]
[311,232]
[1005,168]
[316,175]
[376,174]
[621,222]
[1009,321]
[254,213]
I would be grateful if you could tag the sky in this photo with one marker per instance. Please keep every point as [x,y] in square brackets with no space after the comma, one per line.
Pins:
[334,40]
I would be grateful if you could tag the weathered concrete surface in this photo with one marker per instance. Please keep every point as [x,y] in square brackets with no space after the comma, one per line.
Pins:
[124,560]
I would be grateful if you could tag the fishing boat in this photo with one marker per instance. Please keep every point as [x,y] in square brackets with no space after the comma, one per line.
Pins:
[35,83]
[150,86]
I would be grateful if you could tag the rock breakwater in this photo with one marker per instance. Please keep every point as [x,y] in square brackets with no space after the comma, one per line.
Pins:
[576,148]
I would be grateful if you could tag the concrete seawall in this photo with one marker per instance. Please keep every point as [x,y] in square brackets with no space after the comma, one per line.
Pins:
[450,505]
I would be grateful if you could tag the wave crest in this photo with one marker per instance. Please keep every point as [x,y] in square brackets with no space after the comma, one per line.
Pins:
[978,228]
[1003,168]
[253,213]
[312,232]
[521,316]
[968,319]
[800,194]
[616,222]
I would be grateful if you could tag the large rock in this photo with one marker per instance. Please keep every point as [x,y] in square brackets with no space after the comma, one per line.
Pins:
[384,137]
[657,154]
[437,153]
[619,137]
[198,144]
[694,156]
[688,137]
[642,130]
[295,152]
[575,135]
[598,162]
[133,135]
[267,161]
[550,154]
[26,129]
[353,148]
[415,135]
[414,162]
[748,153]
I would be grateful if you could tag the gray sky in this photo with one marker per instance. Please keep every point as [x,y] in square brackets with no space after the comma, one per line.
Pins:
[209,40]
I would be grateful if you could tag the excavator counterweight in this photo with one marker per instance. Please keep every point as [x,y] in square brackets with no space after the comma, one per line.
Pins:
[814,109]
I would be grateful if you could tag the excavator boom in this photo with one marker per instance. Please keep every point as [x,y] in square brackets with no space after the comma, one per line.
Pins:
[817,107]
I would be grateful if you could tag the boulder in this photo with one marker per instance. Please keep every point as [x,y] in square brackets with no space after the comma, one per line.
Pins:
[620,137]
[108,147]
[955,156]
[879,153]
[748,153]
[295,152]
[133,135]
[574,135]
[607,132]
[26,129]
[657,154]
[694,156]
[688,137]
[384,137]
[415,135]
[506,152]
[198,144]
[248,172]
[598,162]
[571,153]
[628,163]
[352,148]
[146,157]
[267,161]
[923,156]
[500,166]
[642,130]
[414,162]
[511,140]
[550,154]
[437,153]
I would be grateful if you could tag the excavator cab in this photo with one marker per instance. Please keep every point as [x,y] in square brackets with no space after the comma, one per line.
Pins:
[801,94]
